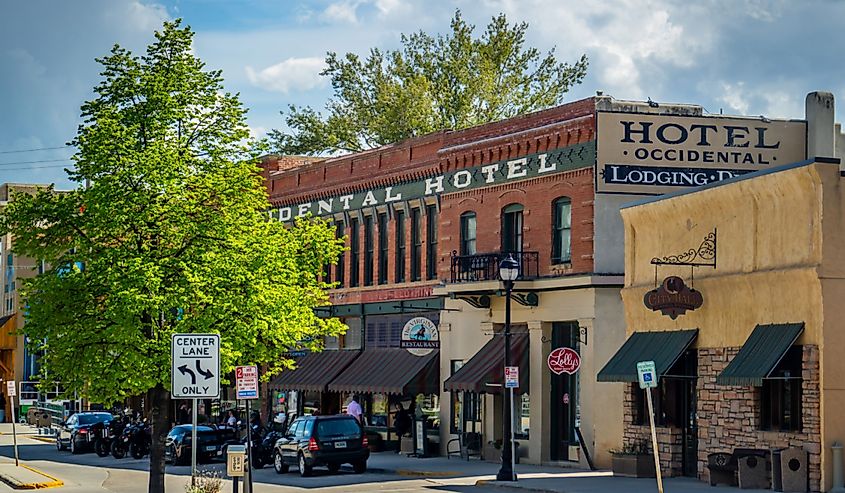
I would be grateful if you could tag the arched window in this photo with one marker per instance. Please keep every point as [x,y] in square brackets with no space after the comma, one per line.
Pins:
[468,233]
[562,231]
[512,228]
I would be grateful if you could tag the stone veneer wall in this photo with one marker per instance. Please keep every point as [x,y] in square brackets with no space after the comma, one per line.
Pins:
[729,416]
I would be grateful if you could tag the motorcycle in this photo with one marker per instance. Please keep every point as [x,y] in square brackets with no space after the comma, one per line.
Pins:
[140,440]
[120,445]
[106,434]
[263,446]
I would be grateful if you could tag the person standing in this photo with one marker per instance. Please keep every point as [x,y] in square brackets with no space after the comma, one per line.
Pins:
[401,421]
[354,409]
[184,416]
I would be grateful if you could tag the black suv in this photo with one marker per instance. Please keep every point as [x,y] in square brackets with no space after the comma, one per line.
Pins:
[76,432]
[322,441]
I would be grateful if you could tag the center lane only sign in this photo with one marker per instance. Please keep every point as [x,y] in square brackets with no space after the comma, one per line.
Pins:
[195,372]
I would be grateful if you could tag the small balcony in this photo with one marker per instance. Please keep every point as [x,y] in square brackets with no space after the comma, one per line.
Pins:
[485,266]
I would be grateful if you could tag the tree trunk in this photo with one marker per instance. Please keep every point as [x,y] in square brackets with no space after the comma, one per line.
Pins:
[159,400]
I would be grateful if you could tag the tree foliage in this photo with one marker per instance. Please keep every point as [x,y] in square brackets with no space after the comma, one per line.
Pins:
[433,83]
[170,237]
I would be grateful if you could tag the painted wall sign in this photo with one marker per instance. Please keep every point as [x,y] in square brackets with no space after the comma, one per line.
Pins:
[420,336]
[673,298]
[530,166]
[564,360]
[656,154]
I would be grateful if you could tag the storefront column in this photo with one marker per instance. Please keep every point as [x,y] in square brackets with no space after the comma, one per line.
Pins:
[538,443]
[492,414]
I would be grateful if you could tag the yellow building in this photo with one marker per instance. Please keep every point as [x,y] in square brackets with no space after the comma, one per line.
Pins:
[756,365]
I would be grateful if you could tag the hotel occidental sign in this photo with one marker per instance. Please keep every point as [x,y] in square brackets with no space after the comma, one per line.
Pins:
[564,360]
[673,298]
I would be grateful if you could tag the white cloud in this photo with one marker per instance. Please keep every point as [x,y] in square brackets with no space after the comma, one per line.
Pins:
[341,12]
[293,74]
[735,96]
[137,15]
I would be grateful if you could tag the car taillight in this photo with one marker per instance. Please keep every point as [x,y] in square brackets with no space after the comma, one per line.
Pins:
[365,442]
[83,431]
[313,445]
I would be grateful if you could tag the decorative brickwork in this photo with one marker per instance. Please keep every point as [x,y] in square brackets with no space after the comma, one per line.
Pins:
[729,417]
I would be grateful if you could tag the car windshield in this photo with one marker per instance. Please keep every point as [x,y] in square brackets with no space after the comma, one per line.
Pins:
[89,419]
[337,427]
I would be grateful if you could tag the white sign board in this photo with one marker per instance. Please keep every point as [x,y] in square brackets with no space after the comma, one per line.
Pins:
[195,366]
[647,374]
[511,377]
[11,389]
[246,382]
[235,460]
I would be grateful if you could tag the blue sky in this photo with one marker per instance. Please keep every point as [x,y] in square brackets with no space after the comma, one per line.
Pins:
[752,57]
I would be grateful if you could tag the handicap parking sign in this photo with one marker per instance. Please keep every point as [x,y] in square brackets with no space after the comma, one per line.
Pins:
[647,374]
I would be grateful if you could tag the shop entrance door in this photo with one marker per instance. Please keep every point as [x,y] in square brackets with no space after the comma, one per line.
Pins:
[690,437]
[563,404]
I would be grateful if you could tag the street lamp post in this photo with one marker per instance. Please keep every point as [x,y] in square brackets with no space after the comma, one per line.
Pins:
[508,272]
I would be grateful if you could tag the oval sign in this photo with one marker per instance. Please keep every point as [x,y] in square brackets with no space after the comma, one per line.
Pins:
[564,360]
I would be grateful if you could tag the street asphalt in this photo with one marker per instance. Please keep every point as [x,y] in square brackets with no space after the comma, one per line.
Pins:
[388,472]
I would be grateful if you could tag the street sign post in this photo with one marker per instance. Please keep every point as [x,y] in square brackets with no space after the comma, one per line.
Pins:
[511,377]
[12,390]
[246,380]
[647,375]
[195,374]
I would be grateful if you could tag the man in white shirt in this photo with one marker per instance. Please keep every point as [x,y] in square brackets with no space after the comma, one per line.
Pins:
[354,409]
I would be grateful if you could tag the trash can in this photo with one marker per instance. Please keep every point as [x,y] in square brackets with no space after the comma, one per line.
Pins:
[790,470]
[754,472]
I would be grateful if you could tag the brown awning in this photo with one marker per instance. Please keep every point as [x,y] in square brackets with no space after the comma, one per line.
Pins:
[484,372]
[314,371]
[390,371]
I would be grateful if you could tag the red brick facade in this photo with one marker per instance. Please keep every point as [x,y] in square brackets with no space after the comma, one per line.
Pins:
[294,180]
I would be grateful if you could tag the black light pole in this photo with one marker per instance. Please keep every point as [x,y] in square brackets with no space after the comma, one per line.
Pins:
[508,272]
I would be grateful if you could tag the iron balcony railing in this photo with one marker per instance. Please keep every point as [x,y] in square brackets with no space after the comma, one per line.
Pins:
[485,266]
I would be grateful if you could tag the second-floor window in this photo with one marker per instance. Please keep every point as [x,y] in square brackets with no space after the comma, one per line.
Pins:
[416,245]
[468,233]
[431,242]
[382,248]
[400,246]
[341,260]
[562,231]
[512,228]
[368,250]
[354,252]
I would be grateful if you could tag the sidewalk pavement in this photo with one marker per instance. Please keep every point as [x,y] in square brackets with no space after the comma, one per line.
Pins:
[24,477]
[535,478]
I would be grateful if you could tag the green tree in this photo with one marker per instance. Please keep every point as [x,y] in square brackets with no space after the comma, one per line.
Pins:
[171,236]
[433,83]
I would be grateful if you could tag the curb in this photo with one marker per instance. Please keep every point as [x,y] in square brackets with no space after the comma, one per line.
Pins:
[506,485]
[43,439]
[14,483]
[425,474]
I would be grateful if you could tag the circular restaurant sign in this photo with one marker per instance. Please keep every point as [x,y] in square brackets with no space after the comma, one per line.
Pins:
[420,336]
[564,360]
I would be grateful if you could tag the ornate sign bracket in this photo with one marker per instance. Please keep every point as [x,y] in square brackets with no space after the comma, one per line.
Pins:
[703,256]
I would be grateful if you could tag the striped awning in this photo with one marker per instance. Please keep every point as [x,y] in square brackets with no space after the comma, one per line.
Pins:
[314,371]
[760,354]
[484,372]
[662,347]
[390,371]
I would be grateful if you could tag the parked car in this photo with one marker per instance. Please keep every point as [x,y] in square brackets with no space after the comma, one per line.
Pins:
[76,432]
[212,442]
[329,441]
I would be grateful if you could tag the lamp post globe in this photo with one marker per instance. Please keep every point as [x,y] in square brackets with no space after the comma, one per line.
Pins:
[508,272]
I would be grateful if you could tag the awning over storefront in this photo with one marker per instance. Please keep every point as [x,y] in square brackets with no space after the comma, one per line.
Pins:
[314,371]
[484,372]
[390,371]
[664,348]
[760,354]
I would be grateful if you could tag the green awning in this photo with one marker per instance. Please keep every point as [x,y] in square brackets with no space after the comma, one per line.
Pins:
[760,354]
[664,348]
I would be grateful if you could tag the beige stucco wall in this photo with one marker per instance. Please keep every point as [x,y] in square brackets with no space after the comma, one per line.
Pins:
[780,258]
[465,331]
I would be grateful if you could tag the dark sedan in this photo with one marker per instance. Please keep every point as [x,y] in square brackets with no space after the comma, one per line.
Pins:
[75,433]
[322,441]
[212,443]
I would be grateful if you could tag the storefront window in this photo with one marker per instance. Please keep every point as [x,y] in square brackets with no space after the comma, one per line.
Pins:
[457,399]
[378,410]
[780,396]
[521,415]
[310,402]
[428,408]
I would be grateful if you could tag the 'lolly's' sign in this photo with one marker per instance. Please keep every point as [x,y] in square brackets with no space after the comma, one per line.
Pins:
[564,360]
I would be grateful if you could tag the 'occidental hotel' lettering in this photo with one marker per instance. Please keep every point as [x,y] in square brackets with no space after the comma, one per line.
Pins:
[568,158]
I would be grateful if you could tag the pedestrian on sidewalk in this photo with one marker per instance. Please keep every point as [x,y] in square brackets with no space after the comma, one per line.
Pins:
[401,421]
[354,409]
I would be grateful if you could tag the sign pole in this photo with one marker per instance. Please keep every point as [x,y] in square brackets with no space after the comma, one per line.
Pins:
[194,443]
[654,441]
[14,433]
[249,458]
[513,447]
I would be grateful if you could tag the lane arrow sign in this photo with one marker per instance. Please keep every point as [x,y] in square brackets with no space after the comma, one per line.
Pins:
[206,373]
[184,369]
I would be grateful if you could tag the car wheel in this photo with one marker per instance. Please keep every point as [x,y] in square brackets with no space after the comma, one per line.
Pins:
[257,463]
[279,464]
[101,447]
[359,467]
[333,467]
[304,468]
[74,448]
[118,450]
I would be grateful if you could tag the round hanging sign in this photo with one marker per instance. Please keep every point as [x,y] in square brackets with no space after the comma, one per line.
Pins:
[564,360]
[420,336]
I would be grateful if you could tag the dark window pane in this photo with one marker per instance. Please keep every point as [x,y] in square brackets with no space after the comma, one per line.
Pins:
[512,228]
[368,250]
[562,231]
[400,246]
[431,242]
[382,249]
[341,260]
[468,233]
[416,245]
[354,252]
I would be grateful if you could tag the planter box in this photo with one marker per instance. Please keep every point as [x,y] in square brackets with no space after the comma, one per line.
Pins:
[633,466]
